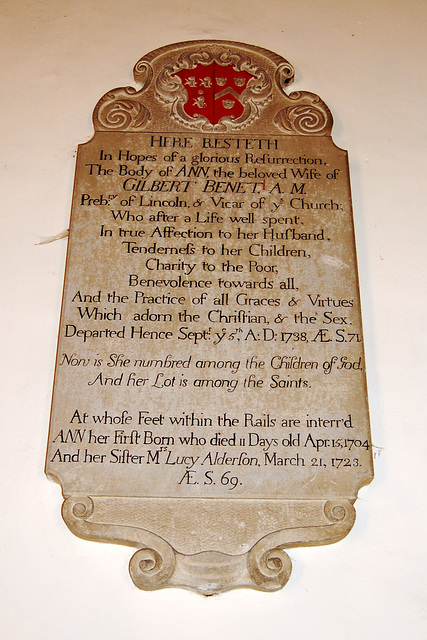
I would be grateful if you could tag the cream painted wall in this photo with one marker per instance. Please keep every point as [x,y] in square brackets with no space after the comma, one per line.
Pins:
[366,59]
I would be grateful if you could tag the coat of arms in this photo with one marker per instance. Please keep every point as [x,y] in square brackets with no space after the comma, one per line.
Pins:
[214,91]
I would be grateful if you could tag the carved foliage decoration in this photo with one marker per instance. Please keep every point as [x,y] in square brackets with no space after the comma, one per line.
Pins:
[306,114]
[122,109]
[212,89]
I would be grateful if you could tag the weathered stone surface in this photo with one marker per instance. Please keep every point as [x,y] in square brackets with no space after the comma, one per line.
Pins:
[210,402]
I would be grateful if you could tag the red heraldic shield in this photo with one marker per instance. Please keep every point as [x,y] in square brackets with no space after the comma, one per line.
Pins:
[214,91]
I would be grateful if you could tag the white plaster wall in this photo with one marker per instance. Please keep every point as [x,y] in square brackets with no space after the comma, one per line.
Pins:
[366,59]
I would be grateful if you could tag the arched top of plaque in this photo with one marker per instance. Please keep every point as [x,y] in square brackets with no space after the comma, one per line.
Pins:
[213,86]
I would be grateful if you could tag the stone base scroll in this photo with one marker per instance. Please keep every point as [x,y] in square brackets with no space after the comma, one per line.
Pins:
[252,555]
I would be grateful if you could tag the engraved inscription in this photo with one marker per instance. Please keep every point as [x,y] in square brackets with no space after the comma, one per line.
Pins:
[223,329]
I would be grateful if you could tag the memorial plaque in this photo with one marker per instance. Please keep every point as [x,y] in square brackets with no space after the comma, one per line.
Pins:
[210,404]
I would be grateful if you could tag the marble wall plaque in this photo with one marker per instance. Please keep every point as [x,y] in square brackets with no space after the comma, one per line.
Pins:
[210,404]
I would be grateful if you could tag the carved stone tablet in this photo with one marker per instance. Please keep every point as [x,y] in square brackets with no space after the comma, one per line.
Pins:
[210,404]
